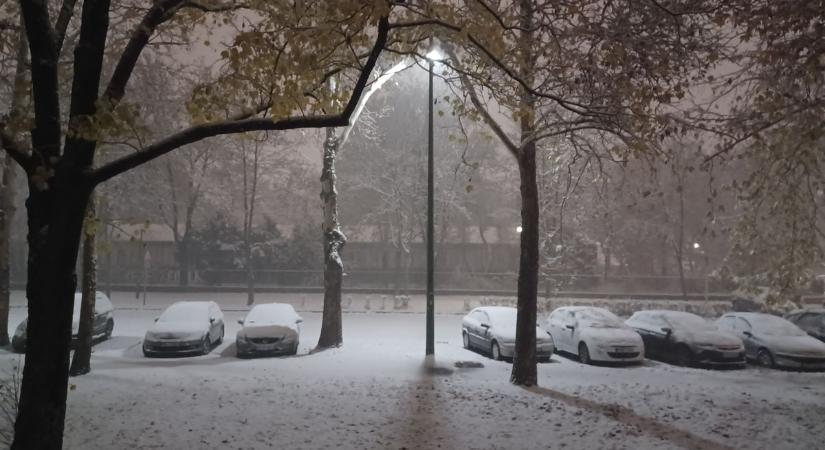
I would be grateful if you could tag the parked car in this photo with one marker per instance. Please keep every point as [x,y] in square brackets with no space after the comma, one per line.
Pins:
[269,329]
[811,320]
[493,329]
[686,339]
[773,341]
[594,334]
[102,327]
[185,328]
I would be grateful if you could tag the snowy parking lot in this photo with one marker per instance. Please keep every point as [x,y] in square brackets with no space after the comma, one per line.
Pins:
[375,393]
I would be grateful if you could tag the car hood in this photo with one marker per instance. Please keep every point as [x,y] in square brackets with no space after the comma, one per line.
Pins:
[261,330]
[794,345]
[176,330]
[612,336]
[707,336]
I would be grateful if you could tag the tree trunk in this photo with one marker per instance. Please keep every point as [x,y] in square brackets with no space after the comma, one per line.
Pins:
[524,360]
[183,260]
[7,210]
[81,362]
[334,241]
[524,357]
[250,275]
[56,208]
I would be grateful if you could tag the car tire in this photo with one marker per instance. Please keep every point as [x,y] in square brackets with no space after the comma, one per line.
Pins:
[110,327]
[495,351]
[206,346]
[465,338]
[145,353]
[294,350]
[764,357]
[584,354]
[684,357]
[555,349]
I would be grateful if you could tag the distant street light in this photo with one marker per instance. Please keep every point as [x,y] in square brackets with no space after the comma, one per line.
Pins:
[519,229]
[696,245]
[433,56]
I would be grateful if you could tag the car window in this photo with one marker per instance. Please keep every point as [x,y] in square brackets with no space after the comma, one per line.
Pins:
[742,325]
[480,316]
[810,320]
[728,323]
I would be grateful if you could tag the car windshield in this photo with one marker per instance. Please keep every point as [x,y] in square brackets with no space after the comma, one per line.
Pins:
[185,312]
[272,313]
[598,318]
[775,326]
[689,322]
[503,317]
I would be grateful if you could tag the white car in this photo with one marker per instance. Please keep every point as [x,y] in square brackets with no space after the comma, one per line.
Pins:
[773,341]
[185,328]
[270,328]
[493,329]
[594,334]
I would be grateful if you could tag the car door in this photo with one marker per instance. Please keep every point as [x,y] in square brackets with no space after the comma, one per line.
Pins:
[484,335]
[644,328]
[554,325]
[474,329]
[744,330]
[100,318]
[568,327]
[659,342]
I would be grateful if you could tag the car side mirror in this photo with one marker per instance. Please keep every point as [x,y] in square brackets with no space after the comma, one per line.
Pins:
[156,319]
[211,320]
[667,331]
[240,321]
[299,320]
[484,325]
[747,333]
[571,327]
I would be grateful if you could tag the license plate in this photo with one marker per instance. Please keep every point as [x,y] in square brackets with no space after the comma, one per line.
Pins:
[265,347]
[730,355]
[623,350]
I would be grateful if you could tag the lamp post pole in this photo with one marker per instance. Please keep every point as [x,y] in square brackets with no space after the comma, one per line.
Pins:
[430,226]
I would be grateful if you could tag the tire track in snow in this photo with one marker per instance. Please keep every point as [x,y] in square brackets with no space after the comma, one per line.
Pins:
[628,417]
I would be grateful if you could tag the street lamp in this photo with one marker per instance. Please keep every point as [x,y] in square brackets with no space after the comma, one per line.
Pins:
[433,56]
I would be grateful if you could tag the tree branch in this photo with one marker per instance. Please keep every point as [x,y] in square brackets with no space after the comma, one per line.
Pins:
[63,19]
[240,124]
[157,14]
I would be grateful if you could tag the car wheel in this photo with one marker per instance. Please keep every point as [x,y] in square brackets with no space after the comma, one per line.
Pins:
[764,358]
[684,357]
[220,339]
[294,349]
[145,353]
[465,339]
[110,327]
[584,354]
[207,345]
[495,351]
[555,348]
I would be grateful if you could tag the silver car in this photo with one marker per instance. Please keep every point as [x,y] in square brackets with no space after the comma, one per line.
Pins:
[185,328]
[269,329]
[493,329]
[773,341]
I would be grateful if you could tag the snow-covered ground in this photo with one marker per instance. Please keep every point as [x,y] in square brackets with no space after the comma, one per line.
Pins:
[376,393]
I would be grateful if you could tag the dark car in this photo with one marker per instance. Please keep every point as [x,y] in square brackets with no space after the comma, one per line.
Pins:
[102,329]
[686,339]
[812,321]
[773,341]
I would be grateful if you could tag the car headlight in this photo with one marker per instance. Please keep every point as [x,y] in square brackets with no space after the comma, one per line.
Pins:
[706,346]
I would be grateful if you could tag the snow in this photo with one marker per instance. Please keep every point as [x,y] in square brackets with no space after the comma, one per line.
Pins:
[183,312]
[771,325]
[376,392]
[281,314]
[598,318]
[687,321]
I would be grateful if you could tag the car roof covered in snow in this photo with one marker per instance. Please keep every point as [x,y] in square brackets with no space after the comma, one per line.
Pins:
[499,313]
[185,312]
[273,313]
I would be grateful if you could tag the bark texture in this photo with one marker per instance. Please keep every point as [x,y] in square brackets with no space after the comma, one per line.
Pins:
[7,211]
[334,241]
[524,358]
[81,361]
